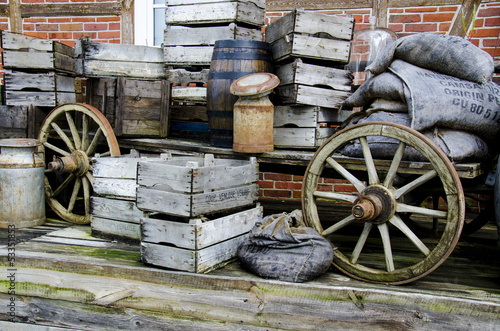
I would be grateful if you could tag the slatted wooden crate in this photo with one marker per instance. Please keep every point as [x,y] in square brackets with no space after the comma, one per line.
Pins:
[133,107]
[194,45]
[191,186]
[118,60]
[198,245]
[195,12]
[305,126]
[25,53]
[16,122]
[47,89]
[296,94]
[301,34]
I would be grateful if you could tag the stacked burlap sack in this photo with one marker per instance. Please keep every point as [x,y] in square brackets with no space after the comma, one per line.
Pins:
[438,85]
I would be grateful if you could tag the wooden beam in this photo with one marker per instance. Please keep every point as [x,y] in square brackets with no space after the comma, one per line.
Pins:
[467,10]
[15,19]
[380,11]
[127,25]
[71,9]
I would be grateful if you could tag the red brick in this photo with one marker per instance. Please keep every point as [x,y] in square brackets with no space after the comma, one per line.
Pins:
[95,26]
[91,35]
[444,27]
[39,35]
[274,176]
[114,26]
[424,27]
[489,12]
[298,178]
[83,19]
[327,188]
[491,21]
[488,32]
[288,185]
[422,9]
[335,180]
[344,188]
[109,35]
[439,17]
[491,43]
[297,194]
[35,20]
[395,10]
[108,19]
[28,27]
[448,8]
[71,27]
[396,27]
[405,18]
[59,20]
[265,184]
[60,35]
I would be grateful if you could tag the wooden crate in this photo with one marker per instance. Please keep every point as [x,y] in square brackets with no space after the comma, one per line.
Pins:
[115,176]
[295,45]
[194,36]
[118,60]
[191,186]
[190,12]
[305,126]
[47,89]
[25,53]
[199,245]
[310,23]
[133,107]
[298,72]
[16,122]
[296,94]
[116,219]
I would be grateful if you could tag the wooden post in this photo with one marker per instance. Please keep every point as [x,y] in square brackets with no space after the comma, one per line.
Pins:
[16,21]
[379,10]
[127,22]
[457,29]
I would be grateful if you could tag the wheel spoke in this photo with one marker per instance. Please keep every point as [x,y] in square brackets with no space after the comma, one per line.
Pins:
[386,241]
[95,141]
[74,131]
[74,194]
[361,243]
[414,184]
[85,132]
[86,195]
[335,196]
[63,185]
[56,149]
[90,177]
[370,165]
[63,136]
[404,208]
[393,169]
[108,153]
[346,174]
[398,223]
[339,225]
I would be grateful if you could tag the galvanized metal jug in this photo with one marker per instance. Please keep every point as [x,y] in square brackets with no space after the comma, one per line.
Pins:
[22,192]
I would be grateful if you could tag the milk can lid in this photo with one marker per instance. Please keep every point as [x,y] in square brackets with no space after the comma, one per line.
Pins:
[19,142]
[253,84]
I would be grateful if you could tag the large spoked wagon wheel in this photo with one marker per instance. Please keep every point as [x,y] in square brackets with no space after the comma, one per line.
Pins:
[378,237]
[70,135]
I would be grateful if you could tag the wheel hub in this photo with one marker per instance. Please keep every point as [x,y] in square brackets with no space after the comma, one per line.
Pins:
[376,204]
[76,163]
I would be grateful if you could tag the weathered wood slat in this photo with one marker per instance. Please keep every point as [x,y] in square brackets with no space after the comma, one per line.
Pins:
[192,36]
[301,137]
[114,229]
[15,122]
[311,95]
[41,99]
[100,68]
[49,81]
[183,76]
[258,3]
[115,187]
[307,116]
[116,209]
[188,55]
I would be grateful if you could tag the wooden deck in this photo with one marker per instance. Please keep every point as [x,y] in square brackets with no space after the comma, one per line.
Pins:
[65,278]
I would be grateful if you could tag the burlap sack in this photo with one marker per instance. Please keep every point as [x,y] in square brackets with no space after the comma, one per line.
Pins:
[450,55]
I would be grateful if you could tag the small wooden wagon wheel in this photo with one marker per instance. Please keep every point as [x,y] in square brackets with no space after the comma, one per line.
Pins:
[70,135]
[373,239]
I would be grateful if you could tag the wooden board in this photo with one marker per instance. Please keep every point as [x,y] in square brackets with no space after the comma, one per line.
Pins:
[48,81]
[215,13]
[298,72]
[115,229]
[115,188]
[183,76]
[119,60]
[311,23]
[196,36]
[294,45]
[287,137]
[311,95]
[199,233]
[188,55]
[307,116]
[16,122]
[258,3]
[116,209]
[40,99]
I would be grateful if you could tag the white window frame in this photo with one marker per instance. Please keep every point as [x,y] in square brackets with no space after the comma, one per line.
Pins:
[144,22]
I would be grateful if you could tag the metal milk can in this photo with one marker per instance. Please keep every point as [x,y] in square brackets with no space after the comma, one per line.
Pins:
[22,190]
[253,113]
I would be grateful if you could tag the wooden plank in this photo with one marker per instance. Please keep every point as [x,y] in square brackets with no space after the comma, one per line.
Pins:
[215,13]
[112,8]
[309,23]
[466,13]
[380,11]
[199,233]
[192,205]
[301,137]
[295,45]
[196,36]
[21,98]
[17,42]
[258,3]
[127,22]
[145,70]
[111,228]
[188,55]
[13,122]
[116,209]
[115,188]
[183,76]
[303,116]
[189,94]
[310,95]
[16,21]
[118,52]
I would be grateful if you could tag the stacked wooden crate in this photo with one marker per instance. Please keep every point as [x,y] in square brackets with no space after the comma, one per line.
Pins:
[201,210]
[192,28]
[127,84]
[39,72]
[114,212]
[310,51]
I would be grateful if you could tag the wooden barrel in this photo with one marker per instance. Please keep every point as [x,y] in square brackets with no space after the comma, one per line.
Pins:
[231,60]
